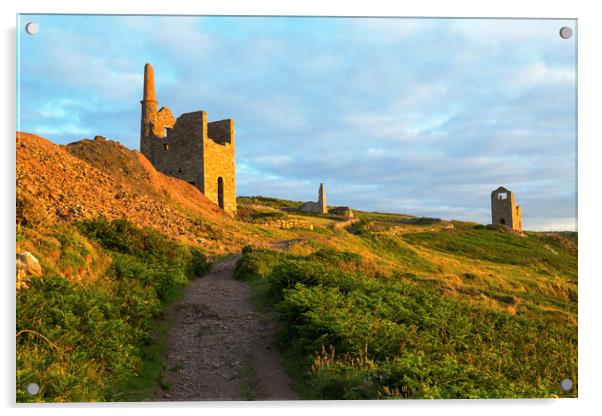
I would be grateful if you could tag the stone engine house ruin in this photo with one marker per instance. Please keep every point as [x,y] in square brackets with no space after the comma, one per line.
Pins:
[316,207]
[504,210]
[189,147]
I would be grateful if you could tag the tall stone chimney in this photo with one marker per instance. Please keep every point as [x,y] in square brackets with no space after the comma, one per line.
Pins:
[149,111]
[149,83]
[322,199]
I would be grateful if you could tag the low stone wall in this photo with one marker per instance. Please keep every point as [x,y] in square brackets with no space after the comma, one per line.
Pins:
[284,223]
[345,224]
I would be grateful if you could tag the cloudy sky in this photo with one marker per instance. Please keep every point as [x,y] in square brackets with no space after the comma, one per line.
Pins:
[418,116]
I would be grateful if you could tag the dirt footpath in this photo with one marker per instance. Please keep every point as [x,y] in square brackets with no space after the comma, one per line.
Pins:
[219,347]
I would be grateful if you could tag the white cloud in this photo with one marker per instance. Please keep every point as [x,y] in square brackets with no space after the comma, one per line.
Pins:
[509,30]
[391,28]
[539,73]
[443,110]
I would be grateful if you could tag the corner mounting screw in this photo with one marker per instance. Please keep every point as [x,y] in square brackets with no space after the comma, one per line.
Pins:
[32,28]
[566,32]
[566,384]
[33,388]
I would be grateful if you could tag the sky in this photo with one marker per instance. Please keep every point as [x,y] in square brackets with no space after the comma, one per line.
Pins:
[417,116]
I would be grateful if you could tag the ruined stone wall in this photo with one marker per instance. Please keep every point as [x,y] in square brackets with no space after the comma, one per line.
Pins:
[221,131]
[316,207]
[284,223]
[518,219]
[180,154]
[504,210]
[153,128]
[190,154]
[219,162]
[164,119]
[345,224]
[345,212]
[313,207]
[189,148]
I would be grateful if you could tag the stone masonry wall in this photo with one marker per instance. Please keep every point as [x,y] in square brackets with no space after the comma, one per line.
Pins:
[505,211]
[180,154]
[316,207]
[219,163]
[163,119]
[147,123]
[284,223]
[191,149]
[518,219]
[221,131]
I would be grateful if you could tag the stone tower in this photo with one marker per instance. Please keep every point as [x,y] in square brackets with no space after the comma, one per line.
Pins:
[322,199]
[149,109]
[504,210]
[189,147]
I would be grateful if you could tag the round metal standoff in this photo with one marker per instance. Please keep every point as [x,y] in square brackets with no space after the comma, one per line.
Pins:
[33,388]
[32,28]
[566,384]
[566,32]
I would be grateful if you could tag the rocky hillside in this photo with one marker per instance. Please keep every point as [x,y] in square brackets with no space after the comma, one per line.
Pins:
[100,177]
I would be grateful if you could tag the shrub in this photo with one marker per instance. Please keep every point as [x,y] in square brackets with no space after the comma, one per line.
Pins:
[78,340]
[28,213]
[353,336]
[257,263]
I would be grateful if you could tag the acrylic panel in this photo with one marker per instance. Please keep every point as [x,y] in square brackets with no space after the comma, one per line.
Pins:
[295,208]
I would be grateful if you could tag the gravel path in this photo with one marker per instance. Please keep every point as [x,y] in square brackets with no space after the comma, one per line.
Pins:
[219,347]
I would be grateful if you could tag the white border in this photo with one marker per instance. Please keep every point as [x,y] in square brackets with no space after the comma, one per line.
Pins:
[589,33]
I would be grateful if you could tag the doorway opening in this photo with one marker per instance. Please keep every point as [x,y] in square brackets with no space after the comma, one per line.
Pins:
[220,192]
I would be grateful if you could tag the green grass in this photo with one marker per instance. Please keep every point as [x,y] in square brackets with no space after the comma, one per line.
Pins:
[401,307]
[503,247]
[381,216]
[352,335]
[263,200]
[396,249]
[142,384]
[98,340]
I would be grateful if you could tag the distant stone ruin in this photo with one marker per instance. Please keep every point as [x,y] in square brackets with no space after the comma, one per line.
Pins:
[316,207]
[189,147]
[344,212]
[504,210]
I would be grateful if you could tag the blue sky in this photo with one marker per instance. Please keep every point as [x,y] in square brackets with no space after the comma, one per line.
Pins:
[419,116]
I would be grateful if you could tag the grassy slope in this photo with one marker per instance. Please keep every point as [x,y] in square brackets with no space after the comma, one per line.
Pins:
[403,308]
[465,256]
[510,299]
